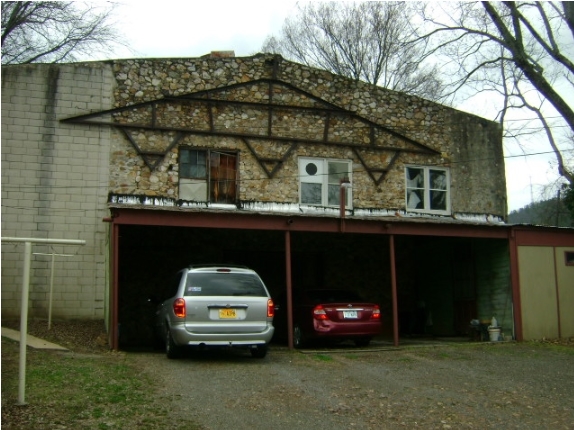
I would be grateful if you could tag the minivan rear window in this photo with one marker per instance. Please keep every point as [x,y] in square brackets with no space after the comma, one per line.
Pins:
[224,284]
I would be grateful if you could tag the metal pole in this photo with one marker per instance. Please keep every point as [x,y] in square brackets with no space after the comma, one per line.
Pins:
[51,241]
[24,323]
[51,290]
[342,202]
[289,289]
[115,285]
[51,283]
[24,305]
[394,291]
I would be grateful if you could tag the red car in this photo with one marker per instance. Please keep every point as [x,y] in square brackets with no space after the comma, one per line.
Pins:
[334,315]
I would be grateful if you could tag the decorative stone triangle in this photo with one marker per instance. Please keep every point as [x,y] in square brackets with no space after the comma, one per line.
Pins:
[380,170]
[155,127]
[153,158]
[271,165]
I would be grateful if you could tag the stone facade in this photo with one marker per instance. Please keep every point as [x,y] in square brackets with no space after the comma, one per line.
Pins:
[469,146]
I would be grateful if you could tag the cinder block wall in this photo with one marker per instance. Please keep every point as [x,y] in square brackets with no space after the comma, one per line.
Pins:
[54,185]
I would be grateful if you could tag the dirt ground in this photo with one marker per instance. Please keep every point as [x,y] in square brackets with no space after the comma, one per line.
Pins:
[431,385]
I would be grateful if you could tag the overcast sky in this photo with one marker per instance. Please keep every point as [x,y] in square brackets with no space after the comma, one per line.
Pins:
[171,28]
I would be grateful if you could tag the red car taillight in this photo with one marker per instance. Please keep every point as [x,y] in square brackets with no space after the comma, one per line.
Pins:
[376,315]
[270,308]
[319,313]
[179,308]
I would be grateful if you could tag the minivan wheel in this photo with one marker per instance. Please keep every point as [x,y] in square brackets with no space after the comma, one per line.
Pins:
[171,349]
[259,352]
[298,339]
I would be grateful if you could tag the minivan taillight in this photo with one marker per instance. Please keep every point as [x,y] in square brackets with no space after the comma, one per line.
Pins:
[270,308]
[319,313]
[376,315]
[179,308]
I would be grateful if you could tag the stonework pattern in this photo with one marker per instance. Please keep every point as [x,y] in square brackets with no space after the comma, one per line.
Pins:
[470,146]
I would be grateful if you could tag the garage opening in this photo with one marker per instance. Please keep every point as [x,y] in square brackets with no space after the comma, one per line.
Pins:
[442,283]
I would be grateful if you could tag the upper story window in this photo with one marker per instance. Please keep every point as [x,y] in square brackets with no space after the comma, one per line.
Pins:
[427,190]
[207,175]
[320,181]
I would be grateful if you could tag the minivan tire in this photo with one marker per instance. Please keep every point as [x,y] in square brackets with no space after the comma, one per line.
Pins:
[298,337]
[259,352]
[171,349]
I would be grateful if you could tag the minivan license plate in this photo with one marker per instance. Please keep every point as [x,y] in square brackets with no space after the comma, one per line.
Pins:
[227,313]
[350,314]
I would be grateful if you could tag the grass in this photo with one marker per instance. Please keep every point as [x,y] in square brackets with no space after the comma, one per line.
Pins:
[323,357]
[90,391]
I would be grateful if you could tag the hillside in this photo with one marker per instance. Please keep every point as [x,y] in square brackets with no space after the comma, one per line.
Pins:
[546,212]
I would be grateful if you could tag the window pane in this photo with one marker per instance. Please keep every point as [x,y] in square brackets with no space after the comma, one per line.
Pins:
[311,193]
[198,164]
[438,200]
[334,192]
[184,156]
[415,188]
[192,164]
[438,180]
[438,188]
[223,174]
[415,199]
[415,178]
[337,172]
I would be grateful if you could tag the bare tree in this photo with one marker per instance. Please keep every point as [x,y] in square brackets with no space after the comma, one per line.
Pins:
[521,51]
[366,41]
[55,32]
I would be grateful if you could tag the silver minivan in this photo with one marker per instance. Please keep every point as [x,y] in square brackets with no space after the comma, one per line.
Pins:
[216,306]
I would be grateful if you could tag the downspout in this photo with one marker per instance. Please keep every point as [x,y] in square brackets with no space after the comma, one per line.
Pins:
[342,202]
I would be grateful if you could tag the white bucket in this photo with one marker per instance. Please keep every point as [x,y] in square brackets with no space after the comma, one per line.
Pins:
[494,334]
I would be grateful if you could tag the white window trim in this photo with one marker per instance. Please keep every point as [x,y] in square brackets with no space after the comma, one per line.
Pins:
[325,182]
[426,171]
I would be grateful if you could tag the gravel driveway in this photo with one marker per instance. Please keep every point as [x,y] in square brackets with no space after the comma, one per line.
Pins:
[476,386]
[499,385]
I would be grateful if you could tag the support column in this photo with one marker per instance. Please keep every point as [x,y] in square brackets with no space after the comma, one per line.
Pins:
[289,289]
[515,283]
[24,323]
[394,291]
[115,286]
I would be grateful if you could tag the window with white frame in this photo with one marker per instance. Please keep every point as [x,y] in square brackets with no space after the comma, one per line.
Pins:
[427,189]
[207,175]
[320,181]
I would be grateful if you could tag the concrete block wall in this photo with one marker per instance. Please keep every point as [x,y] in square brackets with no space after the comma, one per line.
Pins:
[54,185]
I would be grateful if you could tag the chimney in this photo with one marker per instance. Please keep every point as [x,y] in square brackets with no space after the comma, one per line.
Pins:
[222,54]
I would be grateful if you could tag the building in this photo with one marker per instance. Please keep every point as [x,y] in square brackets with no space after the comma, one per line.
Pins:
[308,177]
